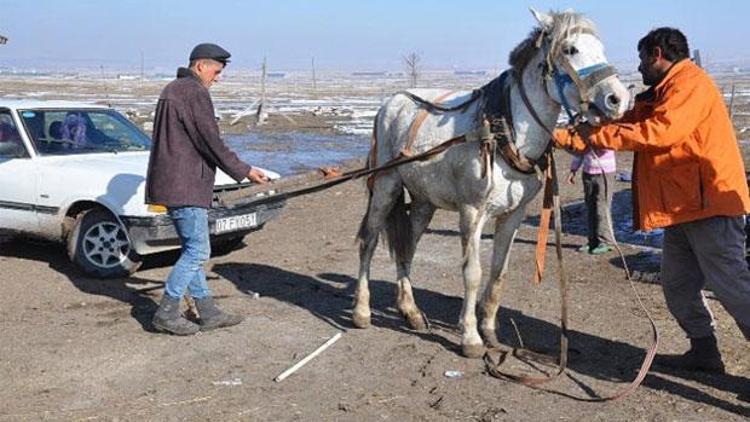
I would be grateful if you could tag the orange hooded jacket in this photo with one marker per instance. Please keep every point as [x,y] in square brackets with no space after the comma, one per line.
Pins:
[687,163]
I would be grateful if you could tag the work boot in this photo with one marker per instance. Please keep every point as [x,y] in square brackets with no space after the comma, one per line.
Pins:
[703,356]
[212,317]
[168,319]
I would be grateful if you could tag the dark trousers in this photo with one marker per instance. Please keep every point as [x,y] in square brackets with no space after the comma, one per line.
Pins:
[598,207]
[706,253]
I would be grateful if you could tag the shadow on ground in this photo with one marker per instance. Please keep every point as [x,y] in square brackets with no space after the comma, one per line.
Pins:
[329,297]
[140,293]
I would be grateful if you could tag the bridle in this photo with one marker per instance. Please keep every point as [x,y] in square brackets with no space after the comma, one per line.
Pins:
[584,79]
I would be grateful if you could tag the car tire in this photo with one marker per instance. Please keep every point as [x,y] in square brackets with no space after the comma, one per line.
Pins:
[100,246]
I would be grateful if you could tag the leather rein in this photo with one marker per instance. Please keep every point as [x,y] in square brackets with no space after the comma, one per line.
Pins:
[584,80]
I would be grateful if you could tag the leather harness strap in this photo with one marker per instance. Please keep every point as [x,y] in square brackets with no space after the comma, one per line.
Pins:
[543,231]
[417,123]
[522,91]
[551,200]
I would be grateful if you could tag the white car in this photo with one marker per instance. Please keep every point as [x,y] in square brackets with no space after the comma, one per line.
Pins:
[75,173]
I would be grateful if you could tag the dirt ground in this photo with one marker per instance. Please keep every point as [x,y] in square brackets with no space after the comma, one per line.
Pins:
[75,348]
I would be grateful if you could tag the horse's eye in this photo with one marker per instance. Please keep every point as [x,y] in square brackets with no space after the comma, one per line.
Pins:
[570,50]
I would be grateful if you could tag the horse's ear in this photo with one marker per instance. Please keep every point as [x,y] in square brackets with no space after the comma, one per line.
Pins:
[544,19]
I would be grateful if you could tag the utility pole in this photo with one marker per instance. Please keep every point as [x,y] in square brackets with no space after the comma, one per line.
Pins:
[261,115]
[104,86]
[697,57]
[314,86]
[142,67]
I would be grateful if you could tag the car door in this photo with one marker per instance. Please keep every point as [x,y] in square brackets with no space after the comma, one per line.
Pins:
[18,178]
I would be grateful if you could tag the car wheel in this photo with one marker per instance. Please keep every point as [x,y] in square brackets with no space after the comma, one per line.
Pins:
[100,247]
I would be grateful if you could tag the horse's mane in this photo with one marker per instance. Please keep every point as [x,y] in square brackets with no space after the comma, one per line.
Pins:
[564,25]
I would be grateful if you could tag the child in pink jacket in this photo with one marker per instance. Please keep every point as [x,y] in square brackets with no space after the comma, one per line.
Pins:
[598,166]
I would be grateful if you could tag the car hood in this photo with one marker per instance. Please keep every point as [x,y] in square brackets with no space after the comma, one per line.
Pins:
[116,180]
[135,163]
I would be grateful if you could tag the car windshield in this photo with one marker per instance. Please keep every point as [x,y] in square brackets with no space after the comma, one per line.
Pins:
[82,131]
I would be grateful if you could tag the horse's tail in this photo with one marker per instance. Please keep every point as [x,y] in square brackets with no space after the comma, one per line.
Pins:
[397,224]
[398,230]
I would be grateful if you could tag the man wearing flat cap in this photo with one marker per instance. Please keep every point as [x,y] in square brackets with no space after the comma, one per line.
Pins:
[186,151]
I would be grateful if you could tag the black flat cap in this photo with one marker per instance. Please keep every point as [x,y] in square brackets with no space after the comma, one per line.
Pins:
[210,51]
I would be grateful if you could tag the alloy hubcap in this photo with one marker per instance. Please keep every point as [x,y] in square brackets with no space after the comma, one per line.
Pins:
[106,245]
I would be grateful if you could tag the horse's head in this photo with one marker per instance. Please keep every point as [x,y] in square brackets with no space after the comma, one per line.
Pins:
[577,74]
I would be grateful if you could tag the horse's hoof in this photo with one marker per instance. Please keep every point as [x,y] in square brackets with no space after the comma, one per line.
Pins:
[473,351]
[361,321]
[416,321]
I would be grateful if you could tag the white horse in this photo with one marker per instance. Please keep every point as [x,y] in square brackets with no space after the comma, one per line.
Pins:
[561,63]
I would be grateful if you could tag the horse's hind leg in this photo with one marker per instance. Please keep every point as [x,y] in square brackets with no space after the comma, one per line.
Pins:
[506,228]
[385,193]
[420,215]
[471,232]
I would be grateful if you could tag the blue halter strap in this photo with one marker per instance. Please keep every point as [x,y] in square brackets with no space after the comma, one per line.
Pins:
[563,79]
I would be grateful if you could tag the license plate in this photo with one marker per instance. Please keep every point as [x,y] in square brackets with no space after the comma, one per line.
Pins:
[237,222]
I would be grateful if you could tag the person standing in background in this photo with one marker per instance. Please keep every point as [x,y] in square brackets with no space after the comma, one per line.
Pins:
[597,168]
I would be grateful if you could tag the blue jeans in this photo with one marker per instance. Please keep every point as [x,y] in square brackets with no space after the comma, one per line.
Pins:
[191,224]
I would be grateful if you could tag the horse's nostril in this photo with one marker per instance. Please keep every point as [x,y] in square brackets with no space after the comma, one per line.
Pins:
[613,100]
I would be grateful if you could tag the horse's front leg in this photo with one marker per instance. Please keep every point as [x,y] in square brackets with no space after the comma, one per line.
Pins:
[419,217]
[506,228]
[471,232]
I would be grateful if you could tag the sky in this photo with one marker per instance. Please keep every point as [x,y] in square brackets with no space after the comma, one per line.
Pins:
[340,34]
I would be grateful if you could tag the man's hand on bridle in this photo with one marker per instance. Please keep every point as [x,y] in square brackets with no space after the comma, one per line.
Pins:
[584,131]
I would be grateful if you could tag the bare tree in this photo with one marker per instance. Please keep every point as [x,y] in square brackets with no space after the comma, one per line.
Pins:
[411,61]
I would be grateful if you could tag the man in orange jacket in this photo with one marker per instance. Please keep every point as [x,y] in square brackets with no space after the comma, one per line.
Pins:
[688,177]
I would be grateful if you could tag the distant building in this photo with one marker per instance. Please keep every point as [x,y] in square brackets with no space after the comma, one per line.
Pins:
[369,74]
[3,40]
[470,72]
[276,75]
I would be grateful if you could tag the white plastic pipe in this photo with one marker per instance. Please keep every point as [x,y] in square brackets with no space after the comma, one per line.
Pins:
[308,358]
